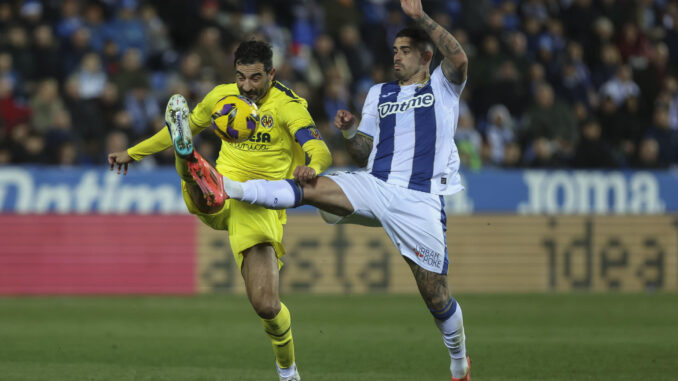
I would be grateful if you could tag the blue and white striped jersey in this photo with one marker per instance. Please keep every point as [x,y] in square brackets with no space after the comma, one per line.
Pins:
[413,130]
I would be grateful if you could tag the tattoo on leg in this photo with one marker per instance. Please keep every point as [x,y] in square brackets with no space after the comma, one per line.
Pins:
[432,287]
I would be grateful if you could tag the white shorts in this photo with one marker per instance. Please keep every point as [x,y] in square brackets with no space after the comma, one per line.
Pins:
[415,221]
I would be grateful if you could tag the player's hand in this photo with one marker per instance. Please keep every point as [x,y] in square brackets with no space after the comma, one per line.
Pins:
[344,120]
[304,174]
[412,8]
[121,159]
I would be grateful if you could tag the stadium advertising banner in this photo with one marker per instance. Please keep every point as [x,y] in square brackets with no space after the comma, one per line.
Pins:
[35,190]
[91,231]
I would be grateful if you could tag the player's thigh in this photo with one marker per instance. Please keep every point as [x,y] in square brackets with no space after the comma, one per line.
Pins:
[416,223]
[251,225]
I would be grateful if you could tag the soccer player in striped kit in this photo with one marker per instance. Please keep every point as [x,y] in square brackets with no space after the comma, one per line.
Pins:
[405,141]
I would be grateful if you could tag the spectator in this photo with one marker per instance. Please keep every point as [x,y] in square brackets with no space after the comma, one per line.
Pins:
[213,55]
[550,120]
[142,108]
[46,103]
[621,86]
[326,58]
[633,46]
[95,23]
[667,139]
[45,54]
[499,133]
[19,48]
[132,72]
[359,58]
[652,76]
[648,156]
[469,142]
[607,67]
[12,112]
[127,28]
[592,151]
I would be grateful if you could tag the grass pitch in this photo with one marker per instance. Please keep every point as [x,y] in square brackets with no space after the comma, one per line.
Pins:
[342,338]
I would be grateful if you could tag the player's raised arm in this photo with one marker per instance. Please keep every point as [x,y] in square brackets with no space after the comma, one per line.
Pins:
[358,145]
[160,141]
[455,64]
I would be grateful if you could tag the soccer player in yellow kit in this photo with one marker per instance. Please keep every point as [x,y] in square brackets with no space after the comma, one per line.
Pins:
[286,145]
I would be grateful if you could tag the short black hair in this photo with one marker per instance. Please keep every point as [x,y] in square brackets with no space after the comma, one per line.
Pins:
[253,51]
[420,39]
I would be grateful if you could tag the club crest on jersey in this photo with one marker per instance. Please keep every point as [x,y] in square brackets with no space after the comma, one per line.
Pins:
[267,121]
[423,100]
[314,132]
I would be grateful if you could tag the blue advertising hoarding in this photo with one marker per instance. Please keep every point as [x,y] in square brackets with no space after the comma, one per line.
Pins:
[97,190]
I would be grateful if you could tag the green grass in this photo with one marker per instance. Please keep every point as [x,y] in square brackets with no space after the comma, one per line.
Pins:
[343,338]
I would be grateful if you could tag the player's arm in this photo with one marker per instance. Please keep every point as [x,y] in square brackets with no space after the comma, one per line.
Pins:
[319,157]
[156,143]
[300,124]
[358,144]
[199,119]
[455,64]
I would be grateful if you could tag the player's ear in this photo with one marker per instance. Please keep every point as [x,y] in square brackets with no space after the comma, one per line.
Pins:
[272,74]
[426,57]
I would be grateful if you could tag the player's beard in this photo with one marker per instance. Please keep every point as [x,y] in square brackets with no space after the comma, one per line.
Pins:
[402,74]
[255,95]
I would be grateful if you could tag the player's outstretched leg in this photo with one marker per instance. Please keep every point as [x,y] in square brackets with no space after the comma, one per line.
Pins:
[446,311]
[278,194]
[203,182]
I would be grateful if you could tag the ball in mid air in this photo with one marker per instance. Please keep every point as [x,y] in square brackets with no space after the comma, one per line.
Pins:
[235,118]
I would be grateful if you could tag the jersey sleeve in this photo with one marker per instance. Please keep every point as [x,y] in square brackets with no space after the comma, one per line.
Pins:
[439,80]
[370,115]
[294,116]
[300,124]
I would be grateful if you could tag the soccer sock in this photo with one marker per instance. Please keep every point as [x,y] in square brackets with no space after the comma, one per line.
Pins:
[451,324]
[233,188]
[279,330]
[182,169]
[281,194]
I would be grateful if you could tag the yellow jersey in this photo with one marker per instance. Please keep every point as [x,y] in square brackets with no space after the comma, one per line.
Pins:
[285,138]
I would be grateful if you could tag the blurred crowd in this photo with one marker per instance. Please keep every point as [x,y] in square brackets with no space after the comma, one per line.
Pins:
[552,83]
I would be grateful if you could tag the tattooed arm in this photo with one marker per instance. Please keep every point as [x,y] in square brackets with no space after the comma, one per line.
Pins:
[359,147]
[455,64]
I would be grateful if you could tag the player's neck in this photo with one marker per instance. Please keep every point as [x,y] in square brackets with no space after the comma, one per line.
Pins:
[419,77]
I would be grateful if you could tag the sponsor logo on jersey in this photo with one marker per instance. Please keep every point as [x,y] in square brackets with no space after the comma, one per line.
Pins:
[267,121]
[388,108]
[260,137]
[428,256]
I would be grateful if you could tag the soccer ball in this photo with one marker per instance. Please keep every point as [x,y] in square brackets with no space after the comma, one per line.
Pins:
[234,118]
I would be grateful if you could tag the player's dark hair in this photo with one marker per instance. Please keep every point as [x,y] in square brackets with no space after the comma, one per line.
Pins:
[252,51]
[420,39]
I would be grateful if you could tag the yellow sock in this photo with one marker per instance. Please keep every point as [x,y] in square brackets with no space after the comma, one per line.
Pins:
[182,169]
[279,330]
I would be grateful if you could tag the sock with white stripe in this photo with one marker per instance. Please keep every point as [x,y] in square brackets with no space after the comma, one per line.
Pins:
[280,194]
[451,324]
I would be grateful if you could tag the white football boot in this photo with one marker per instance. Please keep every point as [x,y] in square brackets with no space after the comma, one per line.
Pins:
[293,377]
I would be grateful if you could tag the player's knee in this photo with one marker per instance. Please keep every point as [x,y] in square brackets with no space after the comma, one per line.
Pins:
[266,309]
